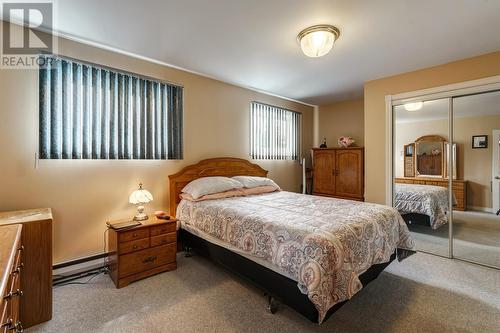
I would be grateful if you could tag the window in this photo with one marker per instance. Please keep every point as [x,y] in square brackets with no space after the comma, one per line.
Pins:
[274,132]
[92,112]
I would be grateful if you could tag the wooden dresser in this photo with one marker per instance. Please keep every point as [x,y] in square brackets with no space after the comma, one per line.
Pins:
[459,187]
[339,172]
[142,251]
[36,284]
[10,278]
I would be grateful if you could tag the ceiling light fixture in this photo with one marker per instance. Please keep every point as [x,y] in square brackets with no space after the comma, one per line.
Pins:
[413,106]
[316,41]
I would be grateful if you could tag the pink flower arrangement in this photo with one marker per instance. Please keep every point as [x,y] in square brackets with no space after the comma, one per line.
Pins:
[345,141]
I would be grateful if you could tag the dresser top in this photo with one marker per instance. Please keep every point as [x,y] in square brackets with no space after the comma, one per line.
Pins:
[10,236]
[340,148]
[23,216]
[151,221]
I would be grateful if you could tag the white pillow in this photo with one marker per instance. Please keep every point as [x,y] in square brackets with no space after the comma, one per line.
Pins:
[209,185]
[251,182]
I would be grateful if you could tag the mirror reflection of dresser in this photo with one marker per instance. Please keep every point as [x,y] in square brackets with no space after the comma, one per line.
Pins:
[426,163]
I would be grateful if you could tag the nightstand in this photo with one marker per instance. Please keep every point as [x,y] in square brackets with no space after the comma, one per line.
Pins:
[141,251]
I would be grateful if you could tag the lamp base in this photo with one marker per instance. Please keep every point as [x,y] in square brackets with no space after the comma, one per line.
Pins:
[140,216]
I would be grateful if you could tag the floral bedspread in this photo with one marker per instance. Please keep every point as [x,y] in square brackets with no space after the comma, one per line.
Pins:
[323,243]
[424,199]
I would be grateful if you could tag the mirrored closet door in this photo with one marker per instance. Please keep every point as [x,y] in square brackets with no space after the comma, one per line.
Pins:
[421,170]
[476,131]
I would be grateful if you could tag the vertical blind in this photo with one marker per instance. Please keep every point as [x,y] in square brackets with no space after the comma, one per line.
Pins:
[92,112]
[274,132]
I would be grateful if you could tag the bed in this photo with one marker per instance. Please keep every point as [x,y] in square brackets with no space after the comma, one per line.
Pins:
[311,253]
[423,204]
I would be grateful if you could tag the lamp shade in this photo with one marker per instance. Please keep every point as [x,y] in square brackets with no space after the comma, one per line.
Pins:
[140,196]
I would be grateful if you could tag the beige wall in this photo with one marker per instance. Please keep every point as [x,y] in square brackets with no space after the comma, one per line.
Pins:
[84,194]
[474,165]
[375,112]
[344,118]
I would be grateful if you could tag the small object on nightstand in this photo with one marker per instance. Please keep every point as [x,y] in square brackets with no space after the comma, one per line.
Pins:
[141,251]
[123,225]
[162,215]
[323,145]
[140,197]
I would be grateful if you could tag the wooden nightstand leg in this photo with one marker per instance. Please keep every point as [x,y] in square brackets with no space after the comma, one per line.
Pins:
[187,251]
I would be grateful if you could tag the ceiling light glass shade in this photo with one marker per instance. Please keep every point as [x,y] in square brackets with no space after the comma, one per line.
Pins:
[316,41]
[140,196]
[413,106]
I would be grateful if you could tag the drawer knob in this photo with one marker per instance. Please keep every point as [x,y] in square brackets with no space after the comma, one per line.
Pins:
[7,324]
[134,247]
[149,259]
[18,269]
[17,293]
[134,234]
[18,328]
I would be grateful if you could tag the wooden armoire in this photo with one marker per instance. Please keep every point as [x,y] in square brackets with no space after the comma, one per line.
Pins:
[339,172]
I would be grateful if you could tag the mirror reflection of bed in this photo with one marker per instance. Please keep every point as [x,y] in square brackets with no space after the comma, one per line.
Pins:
[421,175]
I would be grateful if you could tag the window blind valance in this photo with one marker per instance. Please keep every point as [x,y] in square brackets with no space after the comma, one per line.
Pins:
[92,112]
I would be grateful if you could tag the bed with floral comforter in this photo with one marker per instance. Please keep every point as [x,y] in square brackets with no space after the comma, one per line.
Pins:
[424,199]
[322,243]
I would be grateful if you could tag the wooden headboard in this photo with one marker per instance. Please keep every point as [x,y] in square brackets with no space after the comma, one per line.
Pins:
[221,166]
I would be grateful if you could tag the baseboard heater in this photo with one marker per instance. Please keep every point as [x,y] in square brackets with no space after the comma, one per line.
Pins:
[77,269]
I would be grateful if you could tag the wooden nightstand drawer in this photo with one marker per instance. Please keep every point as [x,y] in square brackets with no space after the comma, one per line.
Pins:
[163,239]
[135,245]
[164,228]
[146,259]
[127,236]
[141,251]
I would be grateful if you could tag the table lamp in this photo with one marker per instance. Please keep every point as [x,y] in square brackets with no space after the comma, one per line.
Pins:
[140,197]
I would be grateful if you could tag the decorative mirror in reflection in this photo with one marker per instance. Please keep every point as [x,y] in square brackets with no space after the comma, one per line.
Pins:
[430,156]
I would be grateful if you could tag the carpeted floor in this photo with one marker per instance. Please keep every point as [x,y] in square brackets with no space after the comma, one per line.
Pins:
[476,237]
[424,293]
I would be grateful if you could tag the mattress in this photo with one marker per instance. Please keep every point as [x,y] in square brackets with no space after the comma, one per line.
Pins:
[322,243]
[423,199]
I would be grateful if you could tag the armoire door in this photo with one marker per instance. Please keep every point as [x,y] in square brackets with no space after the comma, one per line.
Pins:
[349,171]
[324,173]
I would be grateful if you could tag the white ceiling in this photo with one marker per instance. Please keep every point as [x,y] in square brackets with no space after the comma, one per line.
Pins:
[486,104]
[253,42]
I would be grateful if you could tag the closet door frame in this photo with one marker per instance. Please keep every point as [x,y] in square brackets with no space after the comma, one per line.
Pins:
[442,92]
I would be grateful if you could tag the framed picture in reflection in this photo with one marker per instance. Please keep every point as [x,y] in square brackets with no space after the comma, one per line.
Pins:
[479,141]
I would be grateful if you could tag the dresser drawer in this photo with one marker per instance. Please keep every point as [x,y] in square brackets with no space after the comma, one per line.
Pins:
[163,229]
[139,261]
[135,245]
[163,239]
[128,236]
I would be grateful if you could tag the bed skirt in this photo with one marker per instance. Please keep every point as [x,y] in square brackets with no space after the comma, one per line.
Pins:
[274,284]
